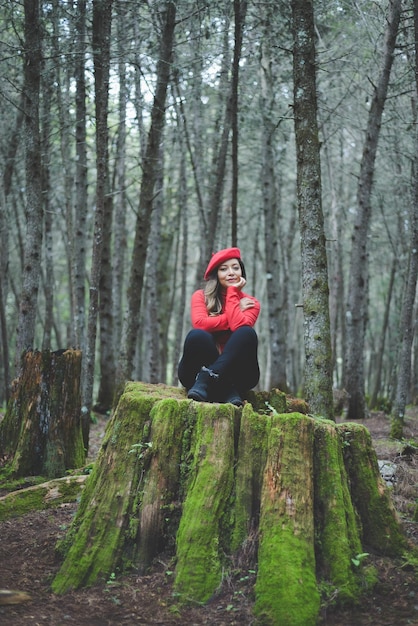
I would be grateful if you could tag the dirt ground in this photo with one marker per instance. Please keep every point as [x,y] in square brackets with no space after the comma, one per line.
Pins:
[28,563]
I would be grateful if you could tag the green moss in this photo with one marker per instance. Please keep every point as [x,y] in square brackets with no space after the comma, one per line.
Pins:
[337,535]
[10,483]
[200,477]
[251,459]
[41,497]
[382,532]
[262,400]
[96,537]
[160,483]
[286,589]
[199,554]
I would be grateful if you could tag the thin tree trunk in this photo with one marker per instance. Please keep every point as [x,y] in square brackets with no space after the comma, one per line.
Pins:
[48,282]
[80,226]
[240,12]
[407,314]
[378,368]
[10,163]
[277,291]
[179,292]
[120,233]
[357,295]
[106,351]
[102,18]
[153,286]
[317,341]
[34,210]
[149,172]
[222,129]
[62,80]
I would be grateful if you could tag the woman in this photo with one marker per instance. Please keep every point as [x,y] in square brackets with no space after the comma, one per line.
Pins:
[219,361]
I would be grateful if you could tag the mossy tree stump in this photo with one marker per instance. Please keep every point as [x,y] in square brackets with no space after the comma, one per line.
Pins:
[198,479]
[41,430]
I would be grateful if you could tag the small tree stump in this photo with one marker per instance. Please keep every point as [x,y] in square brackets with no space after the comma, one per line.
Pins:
[200,480]
[41,431]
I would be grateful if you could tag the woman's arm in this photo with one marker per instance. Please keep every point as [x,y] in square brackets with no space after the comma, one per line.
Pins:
[236,316]
[200,317]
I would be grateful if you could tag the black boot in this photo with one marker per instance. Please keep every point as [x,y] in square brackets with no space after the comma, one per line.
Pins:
[200,389]
[232,396]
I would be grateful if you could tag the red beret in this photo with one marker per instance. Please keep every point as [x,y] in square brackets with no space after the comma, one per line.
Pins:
[220,257]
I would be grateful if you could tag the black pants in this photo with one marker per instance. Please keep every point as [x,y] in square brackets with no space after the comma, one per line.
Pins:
[238,363]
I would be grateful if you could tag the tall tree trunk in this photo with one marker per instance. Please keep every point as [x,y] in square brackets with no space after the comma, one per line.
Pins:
[217,170]
[106,344]
[407,315]
[5,187]
[49,280]
[357,294]
[62,80]
[277,291]
[34,211]
[179,291]
[120,231]
[80,225]
[143,225]
[102,19]
[240,12]
[381,346]
[318,367]
[153,311]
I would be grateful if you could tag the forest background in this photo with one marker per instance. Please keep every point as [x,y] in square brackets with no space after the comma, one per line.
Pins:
[139,137]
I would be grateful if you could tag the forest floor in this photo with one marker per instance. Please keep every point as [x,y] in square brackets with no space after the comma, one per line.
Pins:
[28,563]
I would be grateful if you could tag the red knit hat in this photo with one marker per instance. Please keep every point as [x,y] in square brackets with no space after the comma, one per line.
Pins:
[220,257]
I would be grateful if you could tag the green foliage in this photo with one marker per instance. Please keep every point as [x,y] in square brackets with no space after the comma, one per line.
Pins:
[358,559]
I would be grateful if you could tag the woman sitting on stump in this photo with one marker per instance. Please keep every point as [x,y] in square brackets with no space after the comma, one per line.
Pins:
[219,362]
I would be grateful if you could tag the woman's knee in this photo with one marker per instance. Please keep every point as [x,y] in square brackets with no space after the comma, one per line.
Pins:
[197,336]
[247,334]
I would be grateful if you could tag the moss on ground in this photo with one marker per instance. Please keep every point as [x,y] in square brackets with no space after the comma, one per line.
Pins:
[40,497]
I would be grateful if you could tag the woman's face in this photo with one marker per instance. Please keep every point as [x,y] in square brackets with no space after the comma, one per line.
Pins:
[229,273]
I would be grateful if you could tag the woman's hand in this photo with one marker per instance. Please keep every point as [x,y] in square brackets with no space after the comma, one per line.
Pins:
[246,303]
[242,282]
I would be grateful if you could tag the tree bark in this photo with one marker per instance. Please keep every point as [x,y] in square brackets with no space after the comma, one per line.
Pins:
[240,11]
[407,314]
[143,225]
[80,223]
[41,431]
[102,20]
[317,340]
[34,209]
[204,481]
[277,289]
[13,143]
[382,340]
[119,191]
[357,295]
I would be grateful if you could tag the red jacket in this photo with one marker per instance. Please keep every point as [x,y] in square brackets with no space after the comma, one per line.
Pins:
[230,318]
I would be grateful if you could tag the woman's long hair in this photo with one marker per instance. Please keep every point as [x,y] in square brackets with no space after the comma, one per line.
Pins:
[213,293]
